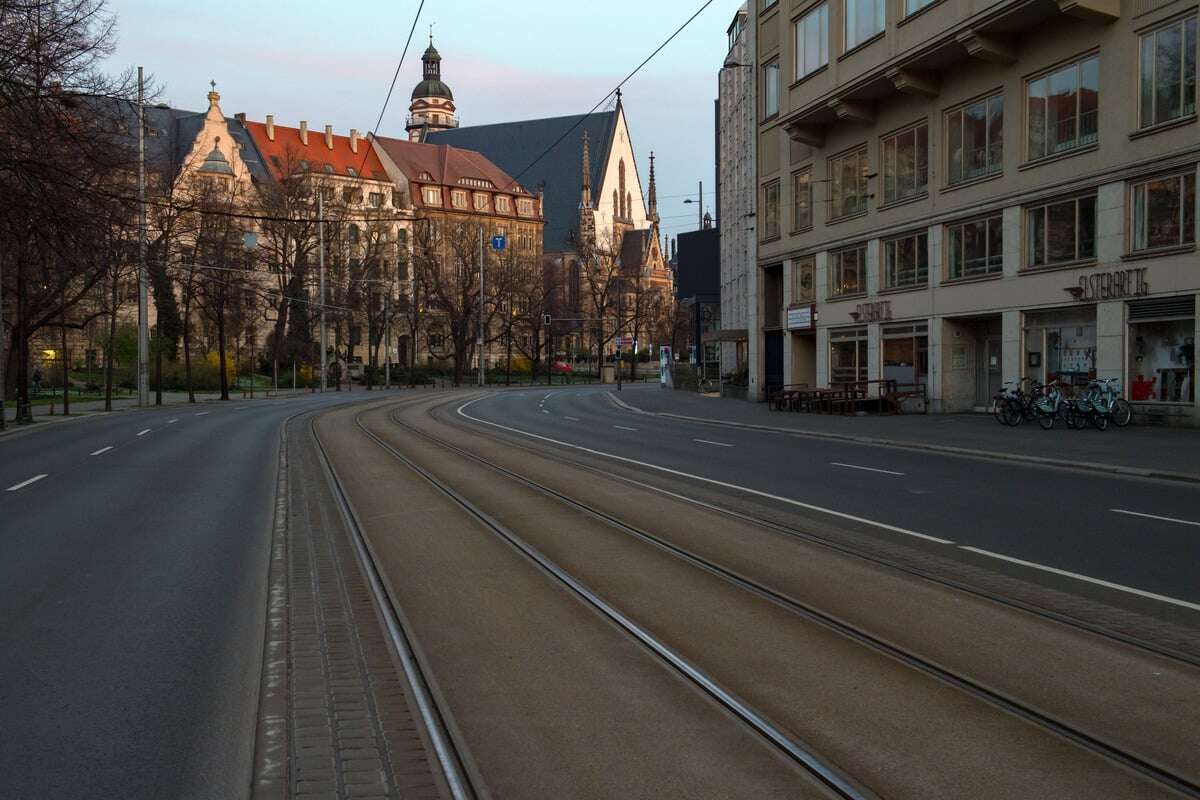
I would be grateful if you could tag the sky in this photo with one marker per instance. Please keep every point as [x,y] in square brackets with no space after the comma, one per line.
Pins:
[331,63]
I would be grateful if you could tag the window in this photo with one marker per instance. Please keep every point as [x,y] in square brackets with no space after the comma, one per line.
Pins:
[802,200]
[433,196]
[1164,212]
[906,261]
[1162,350]
[525,207]
[351,172]
[975,139]
[397,200]
[905,353]
[771,89]
[481,201]
[976,248]
[458,198]
[304,165]
[1062,232]
[913,6]
[353,233]
[804,280]
[848,271]
[1168,67]
[771,210]
[502,205]
[906,164]
[328,169]
[327,194]
[812,41]
[848,184]
[1063,108]
[847,355]
[768,3]
[375,199]
[864,19]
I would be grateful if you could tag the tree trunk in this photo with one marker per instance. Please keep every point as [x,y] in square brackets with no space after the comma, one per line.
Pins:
[221,355]
[108,351]
[187,351]
[24,412]
[157,373]
[66,366]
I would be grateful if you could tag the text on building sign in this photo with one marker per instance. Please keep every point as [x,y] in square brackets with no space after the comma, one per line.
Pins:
[1112,285]
[873,312]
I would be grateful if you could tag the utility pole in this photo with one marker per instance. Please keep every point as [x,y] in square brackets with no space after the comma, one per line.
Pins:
[700,227]
[620,324]
[479,339]
[387,338]
[143,283]
[321,262]
[3,350]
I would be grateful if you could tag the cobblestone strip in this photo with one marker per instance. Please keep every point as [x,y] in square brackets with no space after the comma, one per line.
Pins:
[345,731]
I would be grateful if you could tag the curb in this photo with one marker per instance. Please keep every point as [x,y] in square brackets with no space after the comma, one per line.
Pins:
[1106,469]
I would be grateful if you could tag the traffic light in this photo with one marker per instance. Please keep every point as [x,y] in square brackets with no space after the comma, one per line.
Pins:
[547,320]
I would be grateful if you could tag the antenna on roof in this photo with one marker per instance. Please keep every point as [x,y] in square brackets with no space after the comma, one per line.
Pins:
[431,31]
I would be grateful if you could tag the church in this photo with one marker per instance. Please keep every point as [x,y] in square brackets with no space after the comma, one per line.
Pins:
[586,170]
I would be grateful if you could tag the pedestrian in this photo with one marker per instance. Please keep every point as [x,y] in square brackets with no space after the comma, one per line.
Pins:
[37,380]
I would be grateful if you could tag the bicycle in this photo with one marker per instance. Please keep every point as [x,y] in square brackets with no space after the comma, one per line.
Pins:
[1013,405]
[1109,398]
[1052,405]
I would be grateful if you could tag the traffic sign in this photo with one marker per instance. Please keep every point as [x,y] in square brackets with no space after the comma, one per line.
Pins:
[499,241]
[623,342]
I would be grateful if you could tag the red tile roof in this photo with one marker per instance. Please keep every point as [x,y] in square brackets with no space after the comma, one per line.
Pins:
[287,150]
[447,165]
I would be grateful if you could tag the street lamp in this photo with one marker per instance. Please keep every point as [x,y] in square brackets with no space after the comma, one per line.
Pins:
[699,201]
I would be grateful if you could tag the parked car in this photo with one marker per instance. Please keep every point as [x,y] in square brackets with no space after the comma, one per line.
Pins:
[560,368]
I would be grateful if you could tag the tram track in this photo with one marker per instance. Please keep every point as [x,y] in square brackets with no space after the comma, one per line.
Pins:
[963,683]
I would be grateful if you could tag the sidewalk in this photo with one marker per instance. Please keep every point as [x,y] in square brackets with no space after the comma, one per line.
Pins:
[86,408]
[1148,452]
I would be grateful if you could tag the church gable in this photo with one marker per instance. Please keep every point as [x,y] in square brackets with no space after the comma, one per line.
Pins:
[620,195]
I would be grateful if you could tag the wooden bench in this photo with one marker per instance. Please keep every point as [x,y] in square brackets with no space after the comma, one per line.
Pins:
[894,398]
[786,397]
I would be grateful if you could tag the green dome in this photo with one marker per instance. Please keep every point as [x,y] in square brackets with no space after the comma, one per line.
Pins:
[432,88]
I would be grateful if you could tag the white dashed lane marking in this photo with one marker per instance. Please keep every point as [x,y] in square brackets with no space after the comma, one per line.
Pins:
[1155,516]
[623,428]
[23,484]
[708,441]
[102,451]
[865,469]
[143,433]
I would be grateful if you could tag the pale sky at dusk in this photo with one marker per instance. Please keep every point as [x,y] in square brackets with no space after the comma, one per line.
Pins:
[331,63]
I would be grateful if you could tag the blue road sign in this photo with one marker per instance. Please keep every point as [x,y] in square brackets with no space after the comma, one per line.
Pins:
[498,242]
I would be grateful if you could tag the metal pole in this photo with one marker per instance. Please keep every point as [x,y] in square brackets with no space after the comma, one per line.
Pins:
[701,207]
[387,339]
[3,350]
[479,341]
[620,313]
[143,283]
[321,261]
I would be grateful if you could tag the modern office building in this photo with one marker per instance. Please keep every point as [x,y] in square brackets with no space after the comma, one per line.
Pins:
[960,194]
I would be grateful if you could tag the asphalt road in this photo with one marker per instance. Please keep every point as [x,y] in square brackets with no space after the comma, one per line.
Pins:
[1142,536]
[133,598]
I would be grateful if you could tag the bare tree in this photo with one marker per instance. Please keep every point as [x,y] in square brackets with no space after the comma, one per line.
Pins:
[601,278]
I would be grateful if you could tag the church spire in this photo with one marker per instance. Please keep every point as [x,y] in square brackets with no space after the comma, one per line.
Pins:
[653,202]
[585,198]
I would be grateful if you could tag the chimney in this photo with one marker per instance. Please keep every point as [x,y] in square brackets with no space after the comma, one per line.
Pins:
[304,132]
[329,137]
[271,127]
[353,140]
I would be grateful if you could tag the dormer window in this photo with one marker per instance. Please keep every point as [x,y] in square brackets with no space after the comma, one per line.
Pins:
[458,199]
[502,205]
[433,196]
[329,169]
[525,207]
[304,165]
[351,172]
[481,201]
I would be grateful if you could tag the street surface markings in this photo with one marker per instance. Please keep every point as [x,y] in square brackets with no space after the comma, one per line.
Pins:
[202,413]
[143,433]
[172,421]
[624,428]
[707,441]
[102,451]
[573,419]
[544,411]
[23,484]
[867,469]
[701,478]
[1155,516]
[1097,581]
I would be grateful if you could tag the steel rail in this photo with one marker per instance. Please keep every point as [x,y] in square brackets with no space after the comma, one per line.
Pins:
[448,752]
[854,633]
[843,785]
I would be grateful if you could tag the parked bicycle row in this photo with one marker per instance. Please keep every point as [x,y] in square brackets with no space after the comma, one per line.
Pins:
[1095,405]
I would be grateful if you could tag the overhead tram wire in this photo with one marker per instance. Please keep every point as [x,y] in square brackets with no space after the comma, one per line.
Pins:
[392,88]
[517,178]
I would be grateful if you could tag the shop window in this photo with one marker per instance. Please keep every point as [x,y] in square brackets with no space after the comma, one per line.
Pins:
[771,210]
[802,200]
[847,356]
[976,247]
[1164,212]
[771,89]
[848,184]
[848,271]
[1061,346]
[804,280]
[864,19]
[1162,350]
[812,41]
[906,261]
[1062,108]
[1061,232]
[975,139]
[906,164]
[1168,72]
[906,353]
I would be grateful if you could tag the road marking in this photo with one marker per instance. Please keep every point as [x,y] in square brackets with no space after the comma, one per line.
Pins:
[866,469]
[1155,516]
[573,419]
[1096,581]
[172,421]
[202,413]
[544,411]
[23,484]
[701,478]
[143,433]
[624,428]
[102,451]
[706,441]
[547,397]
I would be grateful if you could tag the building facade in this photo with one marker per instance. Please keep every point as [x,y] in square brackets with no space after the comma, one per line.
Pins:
[960,196]
[737,183]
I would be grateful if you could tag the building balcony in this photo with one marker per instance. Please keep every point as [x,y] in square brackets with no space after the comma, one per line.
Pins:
[916,51]
[410,121]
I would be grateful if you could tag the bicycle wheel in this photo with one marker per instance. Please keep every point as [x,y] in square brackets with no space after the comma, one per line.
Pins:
[998,406]
[1046,419]
[1011,413]
[1122,412]
[1099,420]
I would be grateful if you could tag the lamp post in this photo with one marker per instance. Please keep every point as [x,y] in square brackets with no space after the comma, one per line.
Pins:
[321,261]
[699,201]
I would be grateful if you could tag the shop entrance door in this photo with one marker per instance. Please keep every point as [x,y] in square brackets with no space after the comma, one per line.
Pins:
[988,370]
[773,357]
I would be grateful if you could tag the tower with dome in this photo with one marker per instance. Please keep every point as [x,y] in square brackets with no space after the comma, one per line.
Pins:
[432,108]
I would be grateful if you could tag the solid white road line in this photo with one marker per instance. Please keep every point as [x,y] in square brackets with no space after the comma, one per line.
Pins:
[143,433]
[23,484]
[866,469]
[573,419]
[706,441]
[624,428]
[1155,516]
[702,479]
[102,451]
[1085,578]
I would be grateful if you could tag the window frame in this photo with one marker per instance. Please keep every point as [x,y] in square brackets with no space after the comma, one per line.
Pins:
[1044,206]
[920,281]
[993,168]
[1076,63]
[881,8]
[771,230]
[767,68]
[800,266]
[799,225]
[823,34]
[1182,21]
[862,152]
[1185,219]
[835,292]
[988,270]
[918,191]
